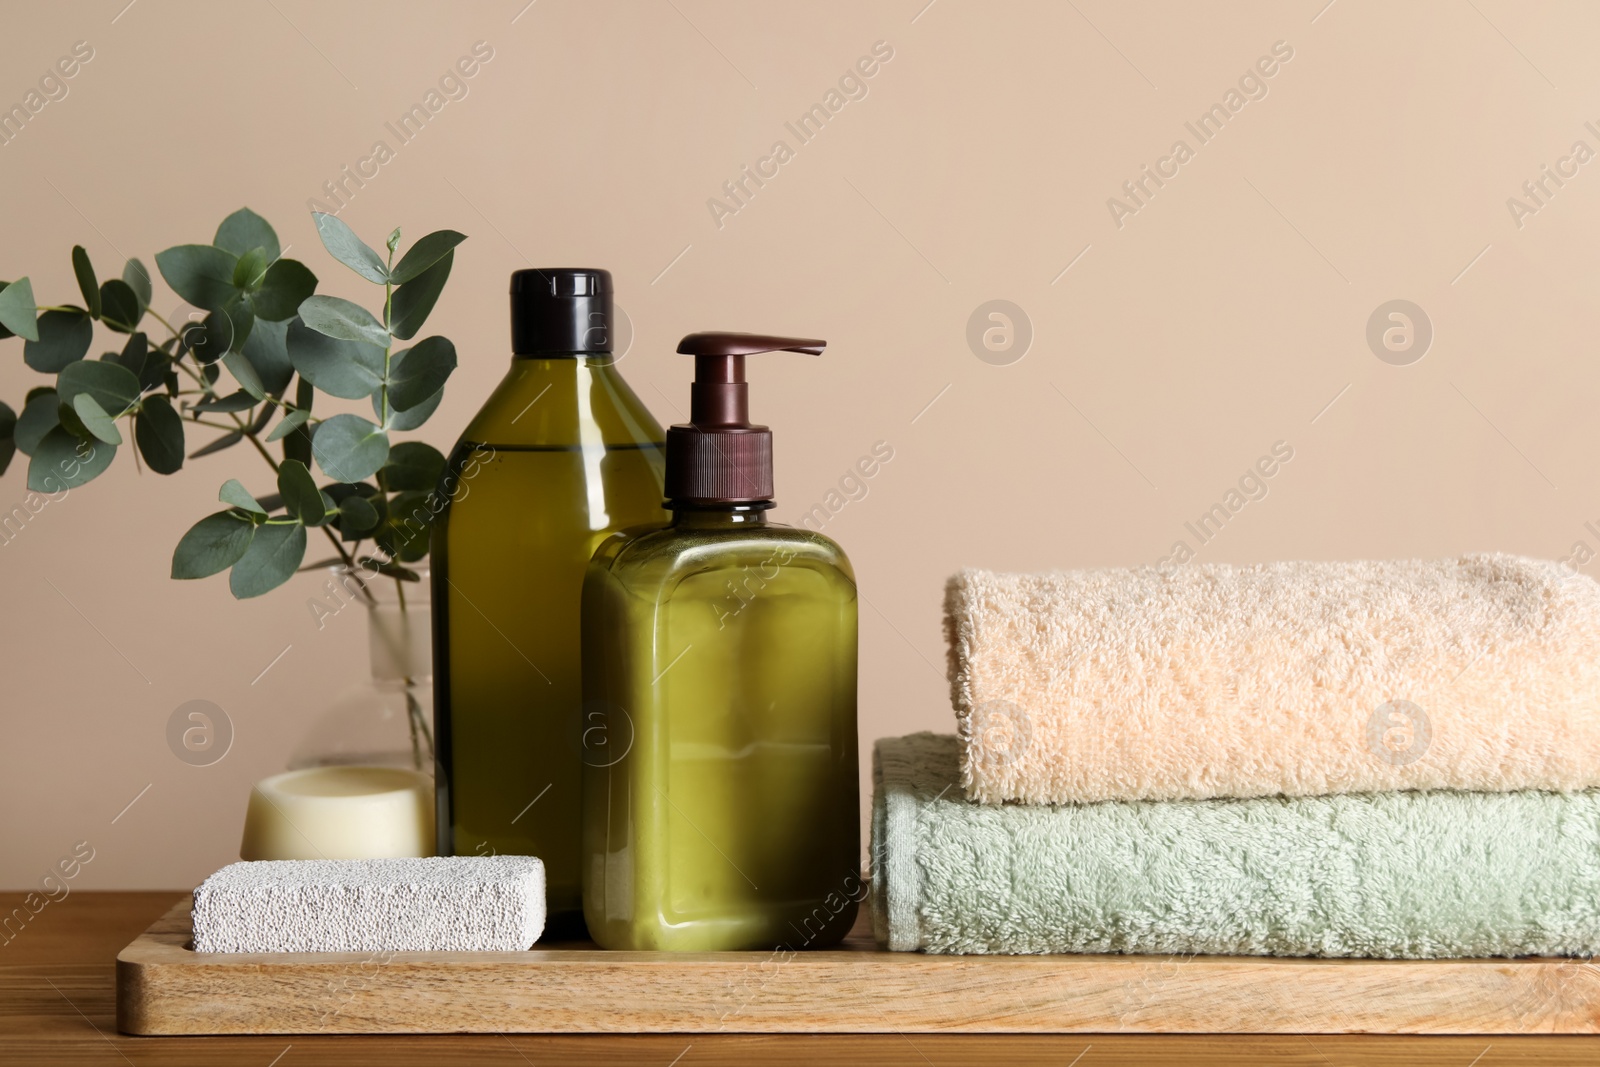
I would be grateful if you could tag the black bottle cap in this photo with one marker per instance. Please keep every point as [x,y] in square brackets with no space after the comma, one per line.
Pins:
[560,309]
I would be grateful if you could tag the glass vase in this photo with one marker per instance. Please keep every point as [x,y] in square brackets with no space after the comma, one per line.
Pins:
[383,719]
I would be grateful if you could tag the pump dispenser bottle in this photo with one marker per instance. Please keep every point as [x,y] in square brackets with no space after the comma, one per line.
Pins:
[561,456]
[719,665]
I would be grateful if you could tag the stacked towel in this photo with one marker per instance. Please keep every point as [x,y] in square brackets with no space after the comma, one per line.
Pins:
[1394,875]
[1295,678]
[1390,759]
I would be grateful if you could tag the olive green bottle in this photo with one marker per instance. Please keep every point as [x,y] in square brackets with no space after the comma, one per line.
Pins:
[561,456]
[719,660]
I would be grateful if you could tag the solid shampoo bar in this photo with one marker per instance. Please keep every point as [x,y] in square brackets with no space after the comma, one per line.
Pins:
[438,904]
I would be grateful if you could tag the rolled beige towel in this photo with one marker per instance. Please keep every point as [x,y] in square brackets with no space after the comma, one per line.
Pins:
[1208,680]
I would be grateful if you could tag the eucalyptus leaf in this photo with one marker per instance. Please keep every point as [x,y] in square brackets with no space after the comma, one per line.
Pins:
[119,306]
[17,310]
[114,387]
[40,415]
[88,285]
[212,545]
[357,517]
[138,279]
[8,430]
[301,498]
[267,350]
[67,416]
[227,329]
[227,440]
[417,373]
[62,461]
[343,244]
[348,448]
[158,431]
[424,254]
[95,419]
[287,283]
[134,355]
[343,319]
[244,372]
[350,370]
[413,465]
[232,492]
[288,424]
[201,274]
[236,401]
[251,269]
[413,302]
[63,338]
[274,555]
[410,418]
[243,231]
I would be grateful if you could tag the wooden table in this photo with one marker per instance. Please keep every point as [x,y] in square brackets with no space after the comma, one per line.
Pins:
[57,1005]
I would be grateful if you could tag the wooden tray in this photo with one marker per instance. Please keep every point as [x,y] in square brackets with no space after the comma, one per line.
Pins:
[165,988]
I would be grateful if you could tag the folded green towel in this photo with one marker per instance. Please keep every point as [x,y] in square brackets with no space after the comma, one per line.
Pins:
[1412,875]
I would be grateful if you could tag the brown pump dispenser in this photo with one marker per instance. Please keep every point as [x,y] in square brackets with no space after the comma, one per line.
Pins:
[718,457]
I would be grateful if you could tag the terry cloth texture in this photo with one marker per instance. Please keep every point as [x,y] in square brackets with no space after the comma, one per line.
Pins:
[1392,875]
[442,904]
[1479,673]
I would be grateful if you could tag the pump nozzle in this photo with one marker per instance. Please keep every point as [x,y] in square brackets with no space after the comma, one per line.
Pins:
[719,457]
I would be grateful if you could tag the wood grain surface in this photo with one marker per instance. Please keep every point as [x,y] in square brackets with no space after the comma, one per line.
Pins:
[165,988]
[57,1006]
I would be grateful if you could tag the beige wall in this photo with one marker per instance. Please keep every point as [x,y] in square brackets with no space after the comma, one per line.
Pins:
[1222,317]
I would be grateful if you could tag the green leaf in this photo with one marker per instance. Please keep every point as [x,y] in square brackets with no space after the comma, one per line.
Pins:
[17,310]
[412,417]
[267,350]
[413,465]
[138,279]
[243,231]
[245,373]
[343,244]
[288,424]
[357,517]
[62,461]
[63,338]
[225,330]
[236,401]
[232,492]
[343,319]
[119,306]
[285,287]
[70,422]
[424,254]
[158,431]
[416,373]
[201,274]
[301,498]
[95,419]
[251,269]
[134,355]
[346,369]
[8,433]
[212,545]
[40,415]
[227,440]
[272,558]
[413,302]
[114,387]
[87,284]
[348,448]
[405,535]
